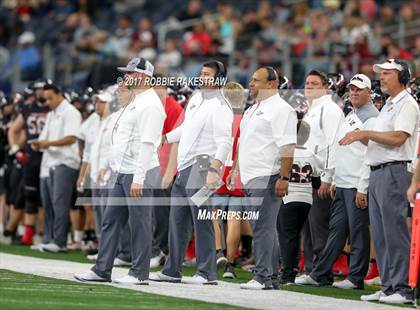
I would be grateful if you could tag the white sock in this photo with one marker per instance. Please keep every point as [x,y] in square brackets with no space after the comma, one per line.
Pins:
[78,235]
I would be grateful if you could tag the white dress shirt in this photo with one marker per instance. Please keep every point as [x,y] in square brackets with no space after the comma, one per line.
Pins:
[100,148]
[62,122]
[265,128]
[207,129]
[88,133]
[141,121]
[399,114]
[324,116]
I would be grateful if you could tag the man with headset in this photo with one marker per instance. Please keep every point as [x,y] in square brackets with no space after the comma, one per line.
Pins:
[265,158]
[135,138]
[391,142]
[205,141]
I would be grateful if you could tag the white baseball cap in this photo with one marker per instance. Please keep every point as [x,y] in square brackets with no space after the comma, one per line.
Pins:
[390,64]
[361,81]
[138,64]
[103,96]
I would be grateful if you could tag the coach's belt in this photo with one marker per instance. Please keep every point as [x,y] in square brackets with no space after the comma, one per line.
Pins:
[391,163]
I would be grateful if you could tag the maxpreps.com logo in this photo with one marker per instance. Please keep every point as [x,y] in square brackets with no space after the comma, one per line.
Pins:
[204,214]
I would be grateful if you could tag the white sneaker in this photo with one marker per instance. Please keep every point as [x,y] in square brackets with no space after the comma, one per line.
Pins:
[5,240]
[345,284]
[75,246]
[373,297]
[53,248]
[306,280]
[93,257]
[253,285]
[90,277]
[395,298]
[130,280]
[197,279]
[157,260]
[37,247]
[375,281]
[121,263]
[160,277]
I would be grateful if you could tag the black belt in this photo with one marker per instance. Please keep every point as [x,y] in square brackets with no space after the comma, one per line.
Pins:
[391,163]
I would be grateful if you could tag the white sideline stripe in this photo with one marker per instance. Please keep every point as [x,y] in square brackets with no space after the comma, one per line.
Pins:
[226,293]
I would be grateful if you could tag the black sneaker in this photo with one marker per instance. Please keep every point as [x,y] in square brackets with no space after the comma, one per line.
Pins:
[221,260]
[229,272]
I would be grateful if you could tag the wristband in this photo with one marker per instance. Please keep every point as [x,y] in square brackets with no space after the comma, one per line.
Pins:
[283,178]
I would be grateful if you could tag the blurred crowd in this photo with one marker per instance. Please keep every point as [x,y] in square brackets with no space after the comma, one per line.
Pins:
[87,36]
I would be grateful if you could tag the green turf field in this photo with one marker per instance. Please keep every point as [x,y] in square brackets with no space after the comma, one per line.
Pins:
[23,291]
[243,276]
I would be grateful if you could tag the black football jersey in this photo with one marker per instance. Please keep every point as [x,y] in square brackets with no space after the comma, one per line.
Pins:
[34,117]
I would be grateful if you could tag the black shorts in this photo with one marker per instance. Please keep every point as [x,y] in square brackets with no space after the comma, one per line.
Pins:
[15,186]
[31,186]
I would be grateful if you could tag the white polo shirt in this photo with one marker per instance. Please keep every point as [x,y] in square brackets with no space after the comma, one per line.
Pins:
[265,128]
[207,129]
[349,168]
[324,116]
[399,114]
[88,133]
[62,122]
[141,121]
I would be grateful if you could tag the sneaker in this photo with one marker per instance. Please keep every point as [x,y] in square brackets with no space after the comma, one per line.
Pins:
[157,260]
[160,277]
[197,279]
[373,271]
[287,282]
[130,280]
[375,281]
[306,280]
[90,277]
[37,247]
[75,246]
[5,240]
[221,260]
[90,247]
[395,298]
[254,285]
[53,248]
[373,297]
[229,272]
[345,284]
[118,262]
[93,257]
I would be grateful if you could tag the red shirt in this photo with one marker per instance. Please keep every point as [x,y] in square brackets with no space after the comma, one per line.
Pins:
[226,169]
[174,118]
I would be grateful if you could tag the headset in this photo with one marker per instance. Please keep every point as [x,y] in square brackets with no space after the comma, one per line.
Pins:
[405,74]
[221,69]
[272,75]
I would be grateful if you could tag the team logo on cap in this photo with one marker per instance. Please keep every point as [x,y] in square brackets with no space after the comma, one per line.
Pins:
[133,63]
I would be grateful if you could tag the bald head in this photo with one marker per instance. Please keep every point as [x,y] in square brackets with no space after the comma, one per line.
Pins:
[261,87]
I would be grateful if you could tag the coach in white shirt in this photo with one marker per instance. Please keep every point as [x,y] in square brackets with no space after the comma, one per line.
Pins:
[205,141]
[58,140]
[265,158]
[324,116]
[135,139]
[391,142]
[96,149]
[349,215]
